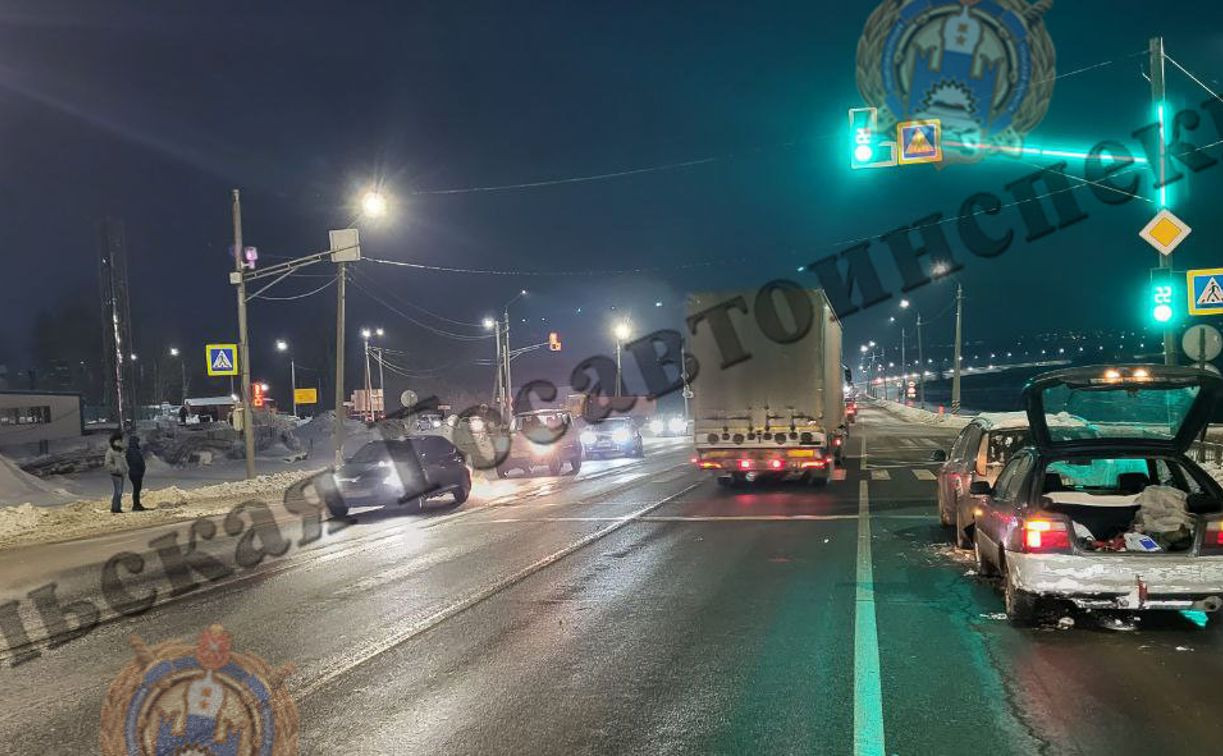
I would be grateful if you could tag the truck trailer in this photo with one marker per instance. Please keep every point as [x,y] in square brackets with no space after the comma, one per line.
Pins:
[768,400]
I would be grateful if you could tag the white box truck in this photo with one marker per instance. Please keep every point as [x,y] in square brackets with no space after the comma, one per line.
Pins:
[768,400]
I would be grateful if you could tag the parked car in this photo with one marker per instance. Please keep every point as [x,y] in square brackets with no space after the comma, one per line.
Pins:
[851,410]
[613,437]
[405,472]
[1113,515]
[978,453]
[542,438]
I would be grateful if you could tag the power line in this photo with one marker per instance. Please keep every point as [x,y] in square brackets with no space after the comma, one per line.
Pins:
[410,319]
[430,313]
[296,296]
[1196,80]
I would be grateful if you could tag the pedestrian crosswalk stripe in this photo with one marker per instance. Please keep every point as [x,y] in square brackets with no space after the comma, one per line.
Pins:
[923,475]
[880,475]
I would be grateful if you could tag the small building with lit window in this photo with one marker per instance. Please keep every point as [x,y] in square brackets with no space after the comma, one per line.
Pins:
[37,416]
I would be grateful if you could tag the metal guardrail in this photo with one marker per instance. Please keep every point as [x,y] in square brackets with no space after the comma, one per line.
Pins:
[1207,451]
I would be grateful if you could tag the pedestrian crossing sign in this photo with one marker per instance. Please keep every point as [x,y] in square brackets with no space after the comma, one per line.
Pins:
[920,141]
[221,359]
[1205,289]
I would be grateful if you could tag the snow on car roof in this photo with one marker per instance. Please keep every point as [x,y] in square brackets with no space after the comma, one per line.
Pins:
[1019,420]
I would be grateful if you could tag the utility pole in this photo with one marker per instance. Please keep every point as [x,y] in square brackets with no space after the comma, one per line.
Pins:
[337,436]
[904,380]
[498,383]
[505,360]
[381,382]
[921,367]
[244,347]
[369,389]
[959,338]
[1157,96]
[293,381]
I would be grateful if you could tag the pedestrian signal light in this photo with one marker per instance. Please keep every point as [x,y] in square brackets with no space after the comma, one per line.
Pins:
[867,148]
[554,341]
[1162,295]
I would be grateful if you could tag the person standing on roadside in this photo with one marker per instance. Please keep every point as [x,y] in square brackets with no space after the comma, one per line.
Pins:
[135,470]
[116,465]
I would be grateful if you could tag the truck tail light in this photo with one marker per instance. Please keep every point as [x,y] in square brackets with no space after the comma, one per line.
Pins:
[813,464]
[776,464]
[745,464]
[1212,540]
[1046,535]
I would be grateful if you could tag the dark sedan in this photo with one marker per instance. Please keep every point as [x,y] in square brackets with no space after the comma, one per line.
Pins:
[403,472]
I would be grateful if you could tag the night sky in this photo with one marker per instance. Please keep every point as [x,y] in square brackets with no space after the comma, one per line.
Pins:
[152,111]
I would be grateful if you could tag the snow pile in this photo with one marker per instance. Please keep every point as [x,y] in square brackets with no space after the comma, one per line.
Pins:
[18,486]
[27,524]
[1214,470]
[925,417]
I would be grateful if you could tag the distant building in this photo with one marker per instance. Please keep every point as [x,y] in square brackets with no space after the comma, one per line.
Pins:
[32,416]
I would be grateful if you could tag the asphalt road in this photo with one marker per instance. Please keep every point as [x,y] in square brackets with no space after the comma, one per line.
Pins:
[643,609]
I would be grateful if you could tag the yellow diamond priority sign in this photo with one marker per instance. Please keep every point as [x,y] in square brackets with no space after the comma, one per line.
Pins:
[1165,232]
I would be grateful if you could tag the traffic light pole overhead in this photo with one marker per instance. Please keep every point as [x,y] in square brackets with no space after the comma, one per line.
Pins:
[1157,96]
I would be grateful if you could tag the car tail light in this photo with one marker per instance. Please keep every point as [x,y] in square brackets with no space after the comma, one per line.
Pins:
[1212,540]
[745,464]
[836,442]
[775,464]
[1046,535]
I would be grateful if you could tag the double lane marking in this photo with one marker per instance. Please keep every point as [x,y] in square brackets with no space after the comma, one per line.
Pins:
[868,689]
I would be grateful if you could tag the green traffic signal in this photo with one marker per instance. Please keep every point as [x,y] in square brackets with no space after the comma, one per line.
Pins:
[1163,295]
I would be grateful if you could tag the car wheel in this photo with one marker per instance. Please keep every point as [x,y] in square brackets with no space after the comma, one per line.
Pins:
[554,467]
[462,492]
[575,464]
[1020,606]
[962,541]
[725,481]
[985,568]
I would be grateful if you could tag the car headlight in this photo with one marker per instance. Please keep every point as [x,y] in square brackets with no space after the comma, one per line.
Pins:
[677,425]
[621,436]
[588,437]
[656,426]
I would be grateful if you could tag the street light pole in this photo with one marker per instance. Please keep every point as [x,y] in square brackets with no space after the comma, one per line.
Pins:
[904,382]
[959,339]
[621,332]
[1156,49]
[921,367]
[337,436]
[369,392]
[244,350]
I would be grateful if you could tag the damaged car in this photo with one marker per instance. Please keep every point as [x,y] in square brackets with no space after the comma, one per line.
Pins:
[1110,513]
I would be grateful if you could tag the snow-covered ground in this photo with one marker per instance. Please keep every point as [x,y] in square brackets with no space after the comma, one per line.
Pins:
[26,523]
[917,415]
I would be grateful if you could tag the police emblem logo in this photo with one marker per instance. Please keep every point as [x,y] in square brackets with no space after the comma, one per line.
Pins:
[984,68]
[202,698]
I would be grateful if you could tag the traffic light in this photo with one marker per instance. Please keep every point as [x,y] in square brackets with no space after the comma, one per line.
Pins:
[1163,295]
[554,341]
[867,148]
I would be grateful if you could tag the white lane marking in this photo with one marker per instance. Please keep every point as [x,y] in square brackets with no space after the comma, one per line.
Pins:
[880,475]
[345,665]
[868,689]
[865,463]
[839,474]
[704,518]
[924,475]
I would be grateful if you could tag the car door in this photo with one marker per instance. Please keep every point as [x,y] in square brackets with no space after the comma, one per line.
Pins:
[998,510]
[959,467]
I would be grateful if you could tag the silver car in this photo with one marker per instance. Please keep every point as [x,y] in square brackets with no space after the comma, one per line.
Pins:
[1109,513]
[978,454]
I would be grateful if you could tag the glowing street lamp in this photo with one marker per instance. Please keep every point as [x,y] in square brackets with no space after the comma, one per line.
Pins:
[374,204]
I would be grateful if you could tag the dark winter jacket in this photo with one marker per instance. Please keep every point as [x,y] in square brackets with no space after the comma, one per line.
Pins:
[135,459]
